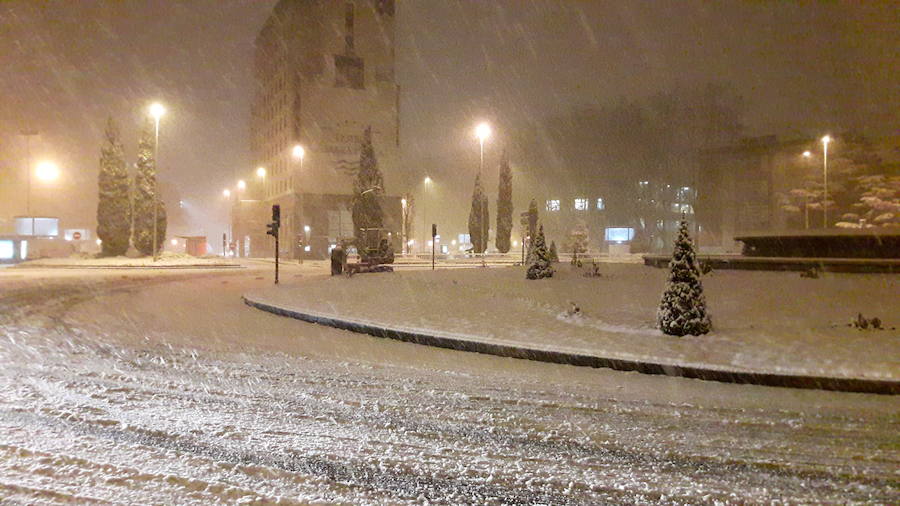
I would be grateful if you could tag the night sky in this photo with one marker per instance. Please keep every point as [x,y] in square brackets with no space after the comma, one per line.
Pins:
[801,69]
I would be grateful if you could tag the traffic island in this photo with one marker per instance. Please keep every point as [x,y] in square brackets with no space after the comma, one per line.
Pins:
[791,336]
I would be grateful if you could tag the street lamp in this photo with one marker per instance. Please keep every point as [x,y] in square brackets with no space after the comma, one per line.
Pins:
[825,141]
[226,193]
[403,225]
[156,110]
[807,154]
[241,184]
[483,131]
[426,182]
[261,172]
[47,171]
[299,153]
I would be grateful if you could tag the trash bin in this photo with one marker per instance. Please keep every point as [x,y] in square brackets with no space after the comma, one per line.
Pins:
[337,261]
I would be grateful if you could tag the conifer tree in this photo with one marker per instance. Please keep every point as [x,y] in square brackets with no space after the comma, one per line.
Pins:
[683,307]
[540,266]
[532,227]
[146,195]
[368,187]
[504,206]
[554,255]
[478,218]
[114,202]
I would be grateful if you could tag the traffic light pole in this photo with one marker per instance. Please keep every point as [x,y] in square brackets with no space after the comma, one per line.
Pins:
[273,231]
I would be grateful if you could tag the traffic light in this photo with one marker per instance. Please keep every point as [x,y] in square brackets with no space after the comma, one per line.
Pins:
[276,221]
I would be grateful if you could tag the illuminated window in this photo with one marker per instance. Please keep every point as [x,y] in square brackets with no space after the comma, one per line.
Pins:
[7,250]
[600,205]
[553,205]
[581,204]
[619,234]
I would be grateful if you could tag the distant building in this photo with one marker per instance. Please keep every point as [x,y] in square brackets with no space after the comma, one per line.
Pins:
[324,72]
[746,188]
[636,216]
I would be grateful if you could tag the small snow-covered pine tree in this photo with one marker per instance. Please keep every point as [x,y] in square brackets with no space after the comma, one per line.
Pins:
[683,307]
[554,255]
[114,202]
[540,266]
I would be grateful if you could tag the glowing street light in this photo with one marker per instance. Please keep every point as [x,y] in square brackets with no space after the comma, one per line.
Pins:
[261,172]
[298,152]
[157,110]
[241,184]
[807,154]
[825,141]
[482,131]
[47,171]
[226,193]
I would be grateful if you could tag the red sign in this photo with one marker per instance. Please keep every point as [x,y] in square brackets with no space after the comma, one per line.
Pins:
[76,236]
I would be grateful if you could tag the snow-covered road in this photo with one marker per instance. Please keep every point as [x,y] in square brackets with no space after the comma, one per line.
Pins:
[167,389]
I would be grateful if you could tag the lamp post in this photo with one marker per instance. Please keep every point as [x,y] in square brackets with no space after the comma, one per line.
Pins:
[403,225]
[483,131]
[156,110]
[825,141]
[807,155]
[425,184]
[299,153]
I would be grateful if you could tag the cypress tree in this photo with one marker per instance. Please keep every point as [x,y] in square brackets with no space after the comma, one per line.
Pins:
[540,266]
[683,307]
[478,218]
[532,227]
[368,187]
[504,206]
[114,201]
[146,194]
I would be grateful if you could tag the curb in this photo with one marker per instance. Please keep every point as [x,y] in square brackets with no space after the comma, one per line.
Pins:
[144,267]
[856,385]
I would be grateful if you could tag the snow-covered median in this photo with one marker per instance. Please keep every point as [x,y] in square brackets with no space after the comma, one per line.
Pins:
[766,322]
[165,260]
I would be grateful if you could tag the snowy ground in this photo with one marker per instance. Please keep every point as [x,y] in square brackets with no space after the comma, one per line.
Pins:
[165,260]
[164,388]
[763,321]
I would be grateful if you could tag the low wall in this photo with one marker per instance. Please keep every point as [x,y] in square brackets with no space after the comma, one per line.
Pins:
[725,262]
[868,243]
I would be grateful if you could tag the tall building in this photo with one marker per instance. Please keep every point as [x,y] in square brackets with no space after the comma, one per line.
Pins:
[324,72]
